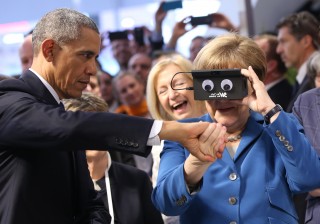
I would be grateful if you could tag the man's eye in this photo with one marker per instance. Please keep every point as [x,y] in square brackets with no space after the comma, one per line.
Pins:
[87,55]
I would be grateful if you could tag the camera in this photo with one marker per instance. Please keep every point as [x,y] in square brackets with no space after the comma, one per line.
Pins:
[219,84]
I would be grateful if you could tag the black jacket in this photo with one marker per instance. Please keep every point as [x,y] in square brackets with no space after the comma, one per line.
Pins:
[131,190]
[43,171]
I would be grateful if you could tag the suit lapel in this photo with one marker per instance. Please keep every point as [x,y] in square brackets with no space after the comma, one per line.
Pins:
[37,88]
[251,133]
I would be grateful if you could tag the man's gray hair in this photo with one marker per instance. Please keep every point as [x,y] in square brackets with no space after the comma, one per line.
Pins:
[62,25]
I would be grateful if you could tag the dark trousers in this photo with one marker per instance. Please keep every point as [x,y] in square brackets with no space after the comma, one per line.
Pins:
[301,205]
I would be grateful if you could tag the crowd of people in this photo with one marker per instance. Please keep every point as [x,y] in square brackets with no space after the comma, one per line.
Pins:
[81,145]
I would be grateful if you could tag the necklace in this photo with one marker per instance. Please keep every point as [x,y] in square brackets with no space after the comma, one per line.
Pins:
[234,138]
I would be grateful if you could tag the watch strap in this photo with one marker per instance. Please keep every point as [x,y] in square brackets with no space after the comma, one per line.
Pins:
[272,112]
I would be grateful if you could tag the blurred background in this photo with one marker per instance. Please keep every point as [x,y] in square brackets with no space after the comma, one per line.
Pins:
[18,17]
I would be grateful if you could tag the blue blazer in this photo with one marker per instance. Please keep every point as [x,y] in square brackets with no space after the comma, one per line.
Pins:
[271,164]
[307,109]
[44,176]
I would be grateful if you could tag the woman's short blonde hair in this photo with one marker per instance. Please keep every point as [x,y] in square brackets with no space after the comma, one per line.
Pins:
[154,106]
[87,102]
[231,51]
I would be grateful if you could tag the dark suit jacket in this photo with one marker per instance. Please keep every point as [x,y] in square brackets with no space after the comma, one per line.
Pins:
[304,86]
[307,109]
[131,195]
[43,179]
[281,93]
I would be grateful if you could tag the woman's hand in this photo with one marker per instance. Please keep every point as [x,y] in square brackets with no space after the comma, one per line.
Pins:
[212,143]
[258,98]
[212,140]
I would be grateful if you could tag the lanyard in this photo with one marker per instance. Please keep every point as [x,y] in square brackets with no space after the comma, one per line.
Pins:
[109,197]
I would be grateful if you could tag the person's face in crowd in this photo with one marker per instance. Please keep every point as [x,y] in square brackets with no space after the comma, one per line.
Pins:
[93,86]
[264,45]
[121,51]
[130,90]
[178,103]
[95,154]
[74,63]
[195,46]
[290,49]
[106,87]
[26,53]
[140,64]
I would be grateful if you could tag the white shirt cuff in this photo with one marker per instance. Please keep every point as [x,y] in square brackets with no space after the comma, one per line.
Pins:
[154,138]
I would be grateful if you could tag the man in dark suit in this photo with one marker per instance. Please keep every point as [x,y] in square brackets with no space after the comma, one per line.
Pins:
[298,36]
[43,173]
[307,109]
[278,87]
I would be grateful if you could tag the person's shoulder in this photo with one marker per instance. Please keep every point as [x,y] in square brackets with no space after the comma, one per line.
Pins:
[314,91]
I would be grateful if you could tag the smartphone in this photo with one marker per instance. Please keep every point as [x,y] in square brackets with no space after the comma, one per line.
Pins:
[139,35]
[166,6]
[201,20]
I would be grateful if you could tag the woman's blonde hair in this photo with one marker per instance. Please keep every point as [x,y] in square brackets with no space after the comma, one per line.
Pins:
[231,51]
[87,102]
[155,108]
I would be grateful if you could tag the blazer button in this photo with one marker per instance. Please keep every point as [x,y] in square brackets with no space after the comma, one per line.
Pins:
[290,148]
[232,176]
[282,138]
[233,222]
[286,143]
[278,133]
[181,200]
[232,200]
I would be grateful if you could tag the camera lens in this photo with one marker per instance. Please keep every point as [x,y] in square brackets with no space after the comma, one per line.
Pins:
[207,85]
[226,85]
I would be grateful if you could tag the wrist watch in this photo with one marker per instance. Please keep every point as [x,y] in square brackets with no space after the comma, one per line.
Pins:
[272,112]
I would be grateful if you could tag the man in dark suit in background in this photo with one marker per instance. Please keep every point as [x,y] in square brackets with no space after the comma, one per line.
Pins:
[277,85]
[298,36]
[43,172]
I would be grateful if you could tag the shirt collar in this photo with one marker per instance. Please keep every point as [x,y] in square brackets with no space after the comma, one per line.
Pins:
[47,85]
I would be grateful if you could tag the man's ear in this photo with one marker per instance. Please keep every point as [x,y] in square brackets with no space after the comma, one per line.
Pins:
[307,40]
[47,49]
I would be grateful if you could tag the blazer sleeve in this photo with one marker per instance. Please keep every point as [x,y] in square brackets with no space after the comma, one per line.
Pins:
[28,123]
[170,196]
[299,157]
